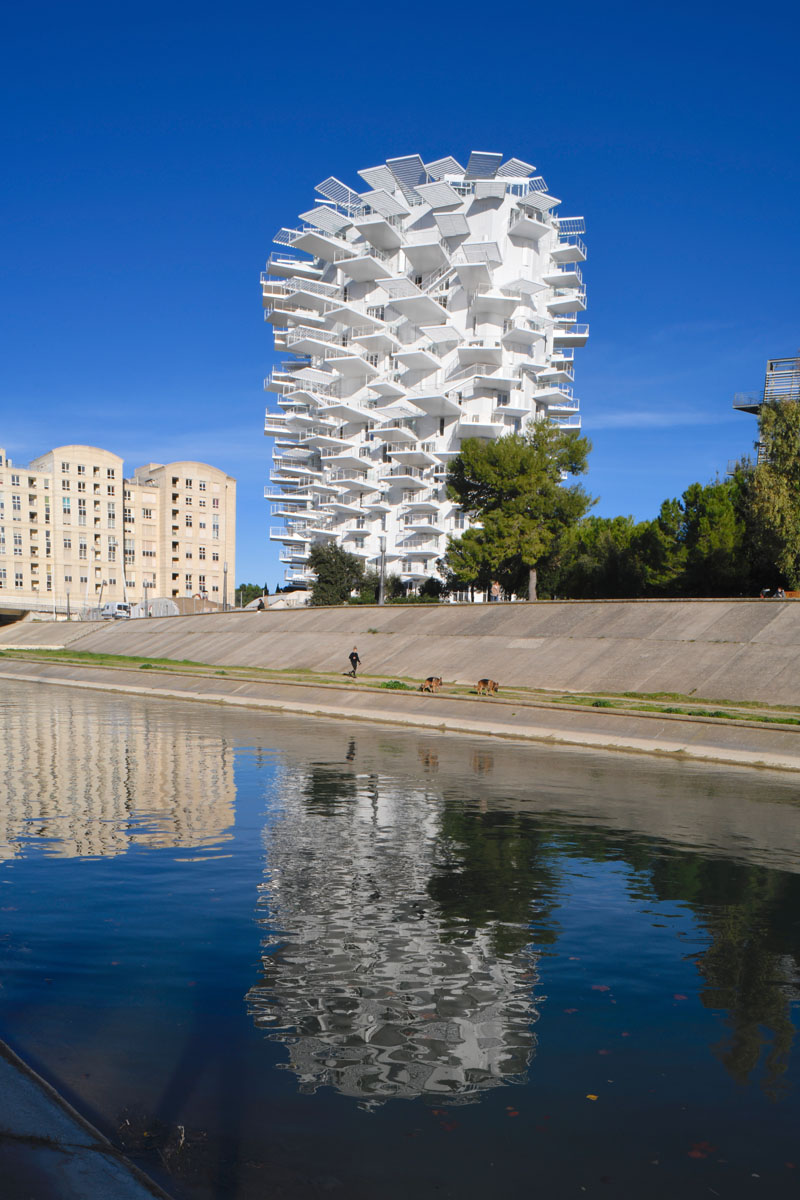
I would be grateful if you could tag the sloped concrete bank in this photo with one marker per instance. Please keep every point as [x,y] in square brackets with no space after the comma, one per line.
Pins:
[732,742]
[715,649]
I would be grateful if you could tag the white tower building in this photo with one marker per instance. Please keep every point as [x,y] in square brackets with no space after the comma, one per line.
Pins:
[438,304]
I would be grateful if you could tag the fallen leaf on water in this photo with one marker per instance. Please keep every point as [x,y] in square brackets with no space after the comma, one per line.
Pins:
[449,1126]
[590,1096]
[573,958]
[600,987]
[701,1150]
[570,1010]
[603,1051]
[625,1034]
[680,996]
[512,1112]
[439,1112]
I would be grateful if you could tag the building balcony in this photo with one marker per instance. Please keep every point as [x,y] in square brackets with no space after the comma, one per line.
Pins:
[513,407]
[286,266]
[316,242]
[578,335]
[564,275]
[529,226]
[413,458]
[433,403]
[749,402]
[571,301]
[557,374]
[381,232]
[522,331]
[366,268]
[480,427]
[569,250]
[418,360]
[426,252]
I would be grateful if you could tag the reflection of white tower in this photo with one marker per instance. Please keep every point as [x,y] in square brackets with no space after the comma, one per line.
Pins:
[371,991]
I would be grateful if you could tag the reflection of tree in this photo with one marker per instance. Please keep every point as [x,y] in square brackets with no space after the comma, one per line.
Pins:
[328,788]
[750,968]
[496,870]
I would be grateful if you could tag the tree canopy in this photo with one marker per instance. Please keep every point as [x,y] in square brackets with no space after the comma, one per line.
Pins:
[514,487]
[338,573]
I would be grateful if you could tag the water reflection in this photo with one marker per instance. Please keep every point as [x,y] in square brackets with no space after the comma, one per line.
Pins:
[375,987]
[90,782]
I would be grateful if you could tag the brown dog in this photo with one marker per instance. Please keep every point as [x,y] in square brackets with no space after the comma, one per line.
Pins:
[431,684]
[487,686]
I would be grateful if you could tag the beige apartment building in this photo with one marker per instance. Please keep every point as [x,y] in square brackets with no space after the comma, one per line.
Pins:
[75,532]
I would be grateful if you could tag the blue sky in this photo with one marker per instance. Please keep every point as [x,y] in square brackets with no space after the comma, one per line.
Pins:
[152,151]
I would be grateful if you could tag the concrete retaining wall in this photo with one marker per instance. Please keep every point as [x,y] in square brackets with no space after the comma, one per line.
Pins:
[716,649]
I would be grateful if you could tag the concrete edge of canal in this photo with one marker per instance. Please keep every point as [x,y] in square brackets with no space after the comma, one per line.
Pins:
[729,742]
[48,1149]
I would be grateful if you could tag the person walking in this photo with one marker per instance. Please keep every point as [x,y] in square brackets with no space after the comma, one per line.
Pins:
[355,661]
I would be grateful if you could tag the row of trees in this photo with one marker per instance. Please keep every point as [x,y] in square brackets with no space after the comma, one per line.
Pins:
[535,535]
[729,537]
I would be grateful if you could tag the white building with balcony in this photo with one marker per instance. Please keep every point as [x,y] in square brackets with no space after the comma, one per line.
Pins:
[439,303]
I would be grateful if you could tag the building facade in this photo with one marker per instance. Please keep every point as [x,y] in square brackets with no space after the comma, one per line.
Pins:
[75,532]
[440,303]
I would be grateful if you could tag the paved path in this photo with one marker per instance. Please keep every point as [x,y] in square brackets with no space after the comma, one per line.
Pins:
[709,739]
[48,1151]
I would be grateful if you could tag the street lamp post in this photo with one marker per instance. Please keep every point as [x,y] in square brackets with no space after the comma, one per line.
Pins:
[382,582]
[224,587]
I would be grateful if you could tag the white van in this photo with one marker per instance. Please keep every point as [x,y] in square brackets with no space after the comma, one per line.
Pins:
[115,610]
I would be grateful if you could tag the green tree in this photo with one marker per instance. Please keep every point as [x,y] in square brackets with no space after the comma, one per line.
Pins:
[712,534]
[246,592]
[771,496]
[337,574]
[514,487]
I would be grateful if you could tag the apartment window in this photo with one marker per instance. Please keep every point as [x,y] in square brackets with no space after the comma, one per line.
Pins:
[67,579]
[15,480]
[64,467]
[65,507]
[201,553]
[65,485]
[84,578]
[188,554]
[364,452]
[127,514]
[18,544]
[202,503]
[215,556]
[110,490]
[49,582]
[126,495]
[112,582]
[109,472]
[16,503]
[201,524]
[188,520]
[81,470]
[112,552]
[68,543]
[202,485]
[187,482]
[147,513]
[441,426]
[2,577]
[81,512]
[111,515]
[459,520]
[189,500]
[215,503]
[18,579]
[215,531]
[215,588]
[81,486]
[188,581]
[82,548]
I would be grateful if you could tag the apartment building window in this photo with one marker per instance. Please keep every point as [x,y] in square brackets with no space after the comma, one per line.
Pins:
[64,467]
[110,490]
[81,470]
[147,514]
[201,580]
[126,495]
[188,554]
[215,556]
[110,472]
[65,485]
[188,520]
[81,486]
[84,578]
[215,503]
[112,582]
[202,485]
[148,549]
[129,550]
[18,544]
[215,531]
[189,500]
[82,548]
[201,524]
[112,551]
[65,507]
[2,540]
[214,588]
[67,579]
[15,480]
[364,452]
[201,503]
[18,579]
[188,581]
[127,514]
[2,577]
[16,504]
[459,520]
[201,552]
[49,582]
[81,512]
[111,515]
[68,543]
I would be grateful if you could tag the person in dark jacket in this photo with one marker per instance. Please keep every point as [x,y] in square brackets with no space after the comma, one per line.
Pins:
[355,661]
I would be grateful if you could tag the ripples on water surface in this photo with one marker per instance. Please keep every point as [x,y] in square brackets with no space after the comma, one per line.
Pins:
[279,958]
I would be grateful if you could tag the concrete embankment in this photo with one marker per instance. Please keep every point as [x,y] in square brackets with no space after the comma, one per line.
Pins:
[734,742]
[716,649]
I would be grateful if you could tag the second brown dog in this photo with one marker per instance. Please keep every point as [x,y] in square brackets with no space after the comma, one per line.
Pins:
[431,684]
[488,687]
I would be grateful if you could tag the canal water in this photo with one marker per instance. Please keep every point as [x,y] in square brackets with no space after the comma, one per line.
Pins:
[274,957]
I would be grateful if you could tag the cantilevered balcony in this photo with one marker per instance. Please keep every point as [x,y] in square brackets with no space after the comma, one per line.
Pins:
[396,431]
[365,268]
[285,266]
[569,301]
[576,335]
[425,251]
[381,232]
[407,299]
[564,275]
[434,403]
[418,360]
[568,250]
[527,225]
[316,242]
[557,374]
[522,331]
[413,458]
[480,350]
[473,425]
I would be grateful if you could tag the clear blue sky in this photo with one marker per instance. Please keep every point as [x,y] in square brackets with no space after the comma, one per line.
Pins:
[152,150]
